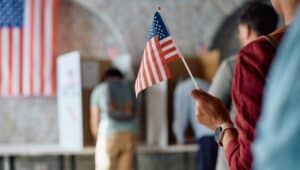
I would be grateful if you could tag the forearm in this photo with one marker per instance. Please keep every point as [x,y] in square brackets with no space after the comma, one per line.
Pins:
[94,130]
[237,150]
[94,122]
[179,133]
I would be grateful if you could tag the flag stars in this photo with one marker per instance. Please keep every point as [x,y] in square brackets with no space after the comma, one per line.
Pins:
[11,13]
[158,28]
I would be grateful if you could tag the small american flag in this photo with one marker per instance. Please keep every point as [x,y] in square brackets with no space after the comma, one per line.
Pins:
[159,51]
[27,62]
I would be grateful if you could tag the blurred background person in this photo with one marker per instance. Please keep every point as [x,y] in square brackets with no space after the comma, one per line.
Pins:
[184,115]
[113,122]
[256,19]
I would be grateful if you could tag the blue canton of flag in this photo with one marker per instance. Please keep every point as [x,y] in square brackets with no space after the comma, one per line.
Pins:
[158,28]
[11,13]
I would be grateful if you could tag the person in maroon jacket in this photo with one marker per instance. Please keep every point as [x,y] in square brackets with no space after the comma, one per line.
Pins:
[250,74]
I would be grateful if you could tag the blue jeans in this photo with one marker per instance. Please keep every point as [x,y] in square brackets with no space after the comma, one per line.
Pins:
[207,153]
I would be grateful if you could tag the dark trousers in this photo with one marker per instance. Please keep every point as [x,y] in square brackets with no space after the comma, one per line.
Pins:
[207,153]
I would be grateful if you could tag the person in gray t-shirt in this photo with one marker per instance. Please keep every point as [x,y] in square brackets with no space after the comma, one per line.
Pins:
[221,88]
[221,85]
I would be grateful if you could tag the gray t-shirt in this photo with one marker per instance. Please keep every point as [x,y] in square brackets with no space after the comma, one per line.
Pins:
[222,82]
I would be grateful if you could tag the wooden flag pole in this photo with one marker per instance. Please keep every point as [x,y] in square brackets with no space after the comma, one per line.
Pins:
[189,71]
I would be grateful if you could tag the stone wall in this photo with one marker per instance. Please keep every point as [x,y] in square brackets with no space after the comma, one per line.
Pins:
[190,22]
[79,29]
[28,120]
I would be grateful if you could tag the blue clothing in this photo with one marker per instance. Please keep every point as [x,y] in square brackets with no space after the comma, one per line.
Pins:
[184,113]
[109,126]
[207,153]
[277,145]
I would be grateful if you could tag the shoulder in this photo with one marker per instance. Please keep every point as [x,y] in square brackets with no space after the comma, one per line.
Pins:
[228,63]
[97,94]
[100,88]
[257,55]
[230,60]
[261,50]
[255,48]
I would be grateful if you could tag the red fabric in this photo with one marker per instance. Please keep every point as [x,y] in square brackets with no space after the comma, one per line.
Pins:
[247,91]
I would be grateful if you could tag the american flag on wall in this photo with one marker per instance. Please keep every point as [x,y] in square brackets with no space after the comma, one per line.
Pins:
[159,51]
[27,59]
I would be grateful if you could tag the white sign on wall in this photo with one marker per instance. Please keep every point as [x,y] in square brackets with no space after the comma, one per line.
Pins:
[69,101]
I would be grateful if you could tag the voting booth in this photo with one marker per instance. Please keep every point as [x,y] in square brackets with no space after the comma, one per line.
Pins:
[77,76]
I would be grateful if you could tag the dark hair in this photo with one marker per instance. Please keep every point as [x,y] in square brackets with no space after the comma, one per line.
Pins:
[261,17]
[112,73]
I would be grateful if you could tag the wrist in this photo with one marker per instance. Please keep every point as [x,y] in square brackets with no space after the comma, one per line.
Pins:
[224,123]
[221,131]
[229,135]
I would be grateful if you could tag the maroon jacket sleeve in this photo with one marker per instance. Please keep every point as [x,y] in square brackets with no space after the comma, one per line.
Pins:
[247,90]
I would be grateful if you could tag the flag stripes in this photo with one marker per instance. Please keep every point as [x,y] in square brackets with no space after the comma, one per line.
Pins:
[27,51]
[169,50]
[153,67]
